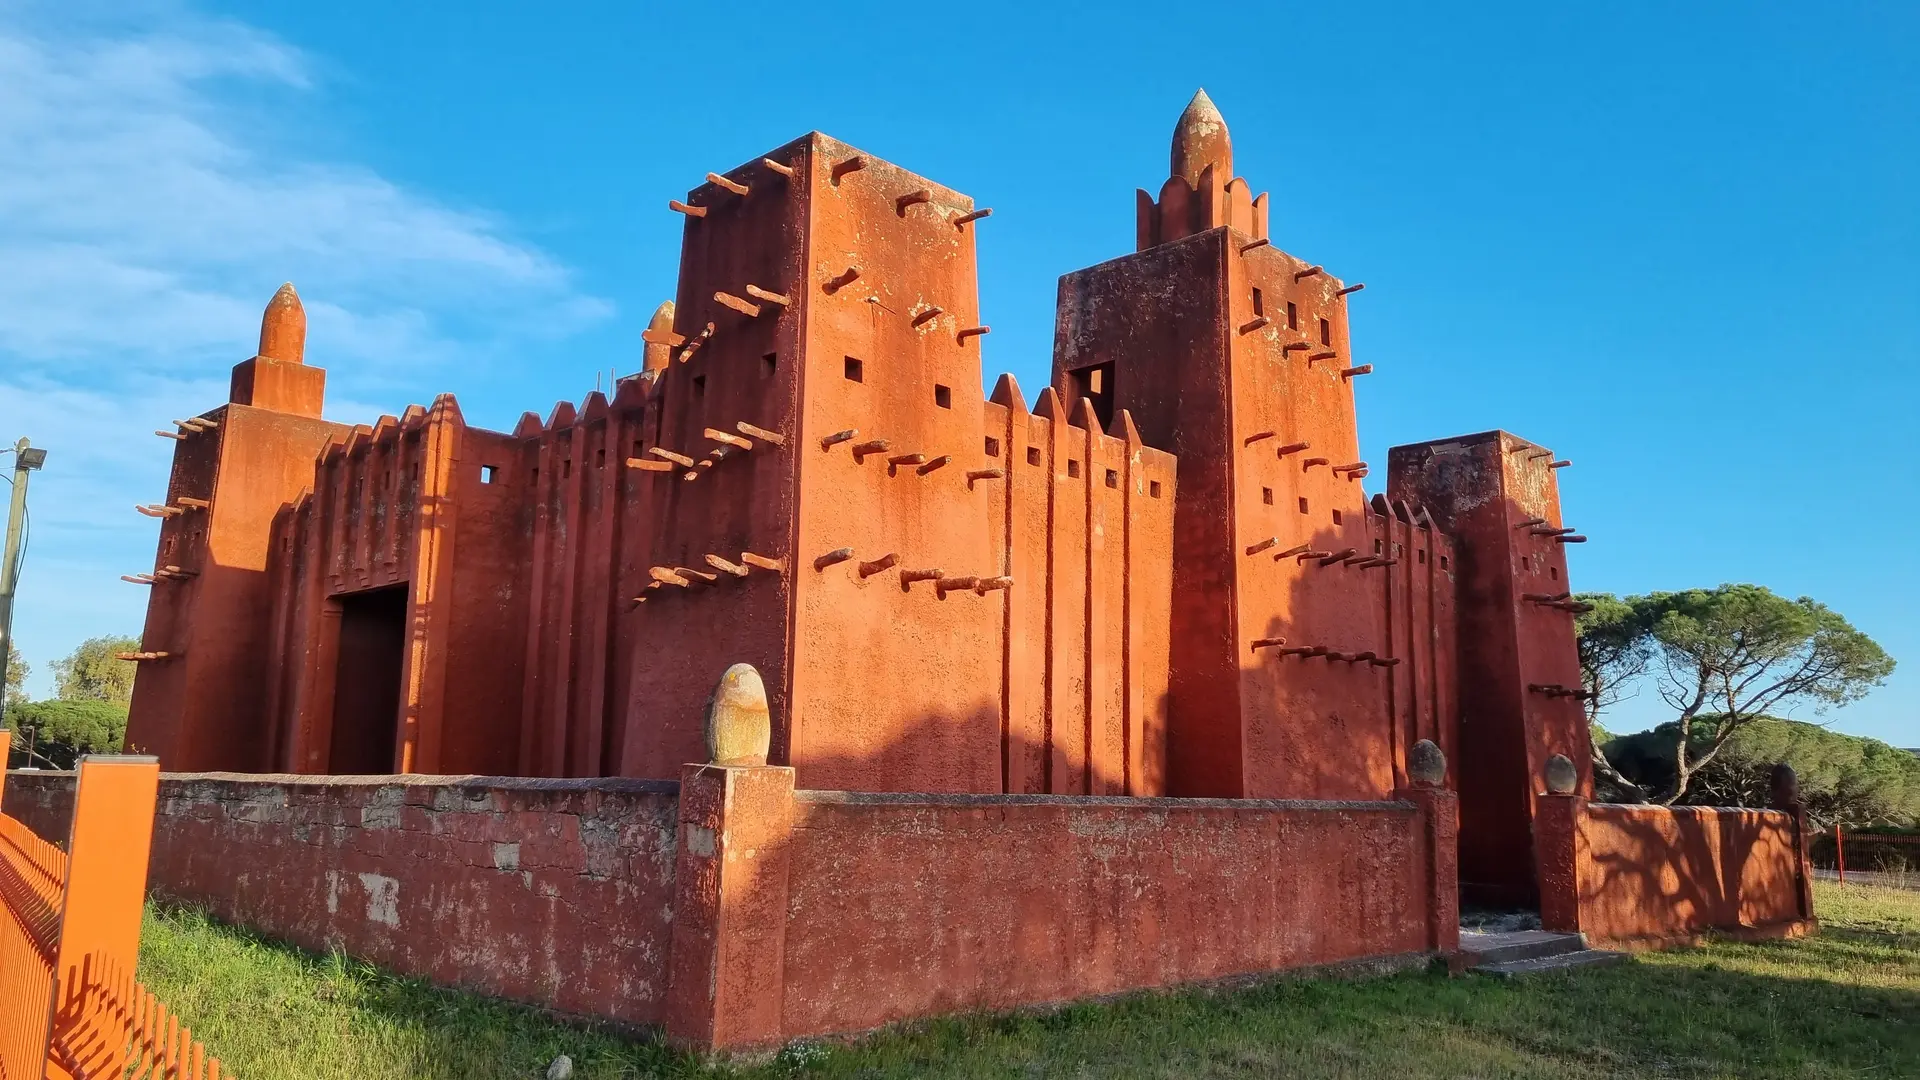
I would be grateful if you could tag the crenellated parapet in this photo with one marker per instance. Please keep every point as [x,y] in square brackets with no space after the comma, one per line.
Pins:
[1201,193]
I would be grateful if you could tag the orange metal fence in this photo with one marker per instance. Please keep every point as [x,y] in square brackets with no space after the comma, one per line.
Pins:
[70,937]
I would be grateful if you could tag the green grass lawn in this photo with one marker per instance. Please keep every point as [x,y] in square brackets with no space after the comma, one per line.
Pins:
[1844,1004]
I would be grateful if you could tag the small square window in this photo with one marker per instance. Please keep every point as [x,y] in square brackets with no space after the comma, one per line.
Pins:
[1376,547]
[1266,495]
[1336,517]
[772,361]
[699,386]
[1326,332]
[1293,316]
[1033,455]
[853,370]
[1443,562]
[943,396]
[1423,555]
[1303,504]
[993,447]
[1153,488]
[487,473]
[1113,478]
[1073,468]
[1553,572]
[1526,563]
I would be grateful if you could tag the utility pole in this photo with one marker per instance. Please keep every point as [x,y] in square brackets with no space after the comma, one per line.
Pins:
[26,459]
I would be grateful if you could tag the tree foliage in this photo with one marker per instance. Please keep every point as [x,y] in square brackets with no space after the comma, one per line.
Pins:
[60,731]
[91,672]
[17,672]
[1721,659]
[1844,779]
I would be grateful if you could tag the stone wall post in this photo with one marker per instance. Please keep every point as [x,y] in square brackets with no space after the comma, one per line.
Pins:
[1560,846]
[727,966]
[1440,817]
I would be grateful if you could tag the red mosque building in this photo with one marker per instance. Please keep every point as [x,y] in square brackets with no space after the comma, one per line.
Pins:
[1162,576]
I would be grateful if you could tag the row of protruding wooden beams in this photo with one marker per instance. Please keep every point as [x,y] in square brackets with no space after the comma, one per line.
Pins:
[943,582]
[1310,652]
[837,172]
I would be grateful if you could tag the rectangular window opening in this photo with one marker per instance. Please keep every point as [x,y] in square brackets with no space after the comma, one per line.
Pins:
[1326,332]
[1293,316]
[772,360]
[1422,553]
[1113,478]
[1443,562]
[1336,517]
[1153,488]
[1073,468]
[639,448]
[699,386]
[1303,504]
[1377,546]
[566,465]
[1096,385]
[1033,455]
[1259,305]
[1554,573]
[600,458]
[943,396]
[487,473]
[853,370]
[1266,495]
[993,447]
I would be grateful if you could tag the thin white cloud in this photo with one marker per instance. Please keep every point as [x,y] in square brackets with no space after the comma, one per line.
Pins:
[150,204]
[154,190]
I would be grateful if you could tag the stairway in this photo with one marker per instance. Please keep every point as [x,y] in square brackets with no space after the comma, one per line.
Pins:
[1527,952]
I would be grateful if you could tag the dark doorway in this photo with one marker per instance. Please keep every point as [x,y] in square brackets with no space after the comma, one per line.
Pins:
[366,687]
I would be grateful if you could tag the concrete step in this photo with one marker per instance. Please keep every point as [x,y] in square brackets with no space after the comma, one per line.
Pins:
[1585,958]
[1499,947]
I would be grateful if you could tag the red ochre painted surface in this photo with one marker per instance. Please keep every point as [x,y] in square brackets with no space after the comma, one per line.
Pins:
[1161,577]
[556,892]
[733,912]
[1645,876]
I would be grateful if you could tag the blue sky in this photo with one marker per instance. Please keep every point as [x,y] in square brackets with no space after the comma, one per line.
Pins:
[1676,243]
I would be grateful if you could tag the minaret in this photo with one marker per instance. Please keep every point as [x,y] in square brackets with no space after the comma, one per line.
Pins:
[202,705]
[659,337]
[1234,355]
[278,378]
[1201,191]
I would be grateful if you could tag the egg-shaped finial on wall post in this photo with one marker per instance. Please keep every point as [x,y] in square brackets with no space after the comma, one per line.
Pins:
[1562,777]
[1200,140]
[1784,787]
[739,726]
[1426,764]
[283,328]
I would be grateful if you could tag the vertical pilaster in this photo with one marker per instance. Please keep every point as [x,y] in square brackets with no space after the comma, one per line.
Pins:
[730,908]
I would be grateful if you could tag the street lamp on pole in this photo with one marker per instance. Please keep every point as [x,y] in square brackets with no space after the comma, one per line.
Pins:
[27,458]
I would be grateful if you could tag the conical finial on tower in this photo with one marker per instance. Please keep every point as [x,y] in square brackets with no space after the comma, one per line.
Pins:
[283,329]
[1199,140]
[659,328]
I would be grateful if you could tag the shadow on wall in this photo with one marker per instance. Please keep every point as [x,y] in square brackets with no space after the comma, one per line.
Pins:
[1657,871]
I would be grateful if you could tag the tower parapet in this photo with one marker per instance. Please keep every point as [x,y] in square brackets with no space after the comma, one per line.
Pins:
[1201,193]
